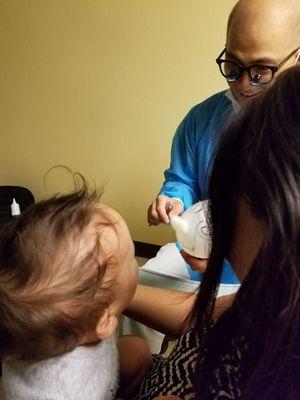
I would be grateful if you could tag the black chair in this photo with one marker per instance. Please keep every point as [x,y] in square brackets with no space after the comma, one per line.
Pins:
[22,196]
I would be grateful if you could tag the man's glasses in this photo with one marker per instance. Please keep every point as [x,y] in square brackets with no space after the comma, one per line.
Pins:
[258,74]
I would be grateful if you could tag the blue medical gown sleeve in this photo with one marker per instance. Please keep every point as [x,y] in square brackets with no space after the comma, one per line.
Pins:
[192,149]
[181,177]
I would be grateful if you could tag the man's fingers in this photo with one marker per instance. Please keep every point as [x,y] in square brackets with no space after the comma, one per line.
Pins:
[163,203]
[162,208]
[162,213]
[176,209]
[153,217]
[157,211]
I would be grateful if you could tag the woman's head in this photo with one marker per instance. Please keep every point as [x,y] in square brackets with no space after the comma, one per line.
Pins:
[67,269]
[256,173]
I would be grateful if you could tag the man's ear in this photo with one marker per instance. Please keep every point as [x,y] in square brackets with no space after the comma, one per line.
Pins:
[106,325]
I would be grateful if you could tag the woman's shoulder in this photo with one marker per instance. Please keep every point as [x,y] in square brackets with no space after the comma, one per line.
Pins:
[224,381]
[173,374]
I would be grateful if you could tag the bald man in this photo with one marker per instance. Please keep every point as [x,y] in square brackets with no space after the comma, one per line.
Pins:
[263,39]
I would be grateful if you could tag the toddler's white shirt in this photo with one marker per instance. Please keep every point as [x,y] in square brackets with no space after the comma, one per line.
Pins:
[85,373]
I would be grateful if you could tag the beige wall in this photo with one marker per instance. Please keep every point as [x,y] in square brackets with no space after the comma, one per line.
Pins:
[100,86]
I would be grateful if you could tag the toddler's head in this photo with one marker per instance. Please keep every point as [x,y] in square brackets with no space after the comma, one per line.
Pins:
[67,269]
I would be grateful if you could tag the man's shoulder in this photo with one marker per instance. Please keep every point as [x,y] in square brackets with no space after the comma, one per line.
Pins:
[216,101]
[215,108]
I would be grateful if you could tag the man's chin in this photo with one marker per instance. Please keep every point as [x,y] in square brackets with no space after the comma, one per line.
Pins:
[244,98]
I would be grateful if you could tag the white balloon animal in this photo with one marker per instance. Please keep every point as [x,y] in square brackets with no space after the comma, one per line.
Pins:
[192,230]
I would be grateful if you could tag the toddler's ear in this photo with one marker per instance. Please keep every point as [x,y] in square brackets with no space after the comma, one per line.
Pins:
[106,325]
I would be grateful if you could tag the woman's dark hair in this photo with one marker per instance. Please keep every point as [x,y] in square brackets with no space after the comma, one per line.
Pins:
[258,160]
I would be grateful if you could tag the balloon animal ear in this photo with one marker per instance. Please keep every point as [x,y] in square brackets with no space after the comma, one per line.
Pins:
[106,325]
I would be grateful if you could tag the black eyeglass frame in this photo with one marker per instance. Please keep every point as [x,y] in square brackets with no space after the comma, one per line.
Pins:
[273,68]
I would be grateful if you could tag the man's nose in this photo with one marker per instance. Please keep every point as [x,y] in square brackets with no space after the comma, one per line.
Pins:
[244,80]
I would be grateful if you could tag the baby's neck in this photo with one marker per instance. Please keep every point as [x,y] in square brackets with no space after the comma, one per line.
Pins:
[90,344]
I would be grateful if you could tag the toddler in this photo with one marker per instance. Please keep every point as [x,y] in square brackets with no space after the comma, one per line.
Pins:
[67,270]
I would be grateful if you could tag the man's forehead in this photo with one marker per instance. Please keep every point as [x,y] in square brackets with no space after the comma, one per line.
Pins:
[267,12]
[253,56]
[257,44]
[265,28]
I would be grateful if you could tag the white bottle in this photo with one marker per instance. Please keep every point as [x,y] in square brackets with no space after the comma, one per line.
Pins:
[15,208]
[192,230]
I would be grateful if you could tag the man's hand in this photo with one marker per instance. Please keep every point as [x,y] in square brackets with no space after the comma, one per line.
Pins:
[162,208]
[197,264]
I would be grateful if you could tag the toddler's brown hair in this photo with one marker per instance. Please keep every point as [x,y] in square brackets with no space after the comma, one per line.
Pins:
[51,276]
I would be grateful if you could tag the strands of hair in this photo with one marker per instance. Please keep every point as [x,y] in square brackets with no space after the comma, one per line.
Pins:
[258,160]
